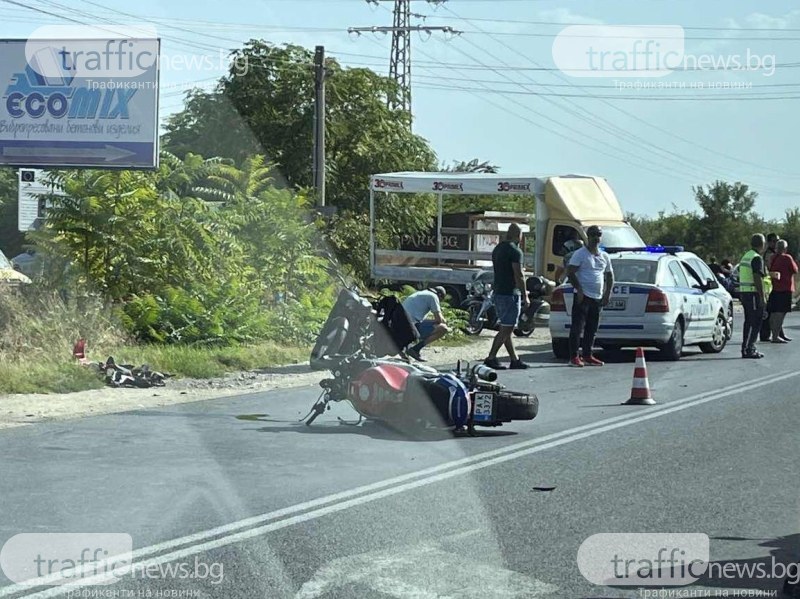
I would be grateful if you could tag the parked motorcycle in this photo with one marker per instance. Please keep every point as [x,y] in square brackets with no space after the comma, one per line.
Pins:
[482,314]
[403,395]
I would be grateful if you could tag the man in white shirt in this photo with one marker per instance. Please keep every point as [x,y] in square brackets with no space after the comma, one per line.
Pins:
[418,305]
[591,276]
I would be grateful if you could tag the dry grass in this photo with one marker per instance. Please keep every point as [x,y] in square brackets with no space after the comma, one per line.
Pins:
[38,330]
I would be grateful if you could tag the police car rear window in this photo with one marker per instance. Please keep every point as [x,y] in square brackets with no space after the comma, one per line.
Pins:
[635,271]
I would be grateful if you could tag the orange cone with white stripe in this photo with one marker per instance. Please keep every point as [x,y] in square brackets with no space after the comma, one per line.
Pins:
[640,390]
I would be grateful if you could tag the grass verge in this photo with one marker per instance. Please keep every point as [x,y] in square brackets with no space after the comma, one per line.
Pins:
[61,374]
[37,333]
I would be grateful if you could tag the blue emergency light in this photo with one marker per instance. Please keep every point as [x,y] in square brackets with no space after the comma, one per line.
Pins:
[664,249]
[651,249]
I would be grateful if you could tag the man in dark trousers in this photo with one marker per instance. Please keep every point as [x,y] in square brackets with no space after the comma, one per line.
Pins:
[510,296]
[769,254]
[751,294]
[591,276]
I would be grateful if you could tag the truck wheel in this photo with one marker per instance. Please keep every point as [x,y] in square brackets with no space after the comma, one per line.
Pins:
[474,326]
[456,295]
[512,405]
[561,348]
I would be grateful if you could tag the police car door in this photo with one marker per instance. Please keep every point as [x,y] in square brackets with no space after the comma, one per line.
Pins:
[710,303]
[688,298]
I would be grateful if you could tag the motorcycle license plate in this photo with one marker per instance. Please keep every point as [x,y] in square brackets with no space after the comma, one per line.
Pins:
[484,403]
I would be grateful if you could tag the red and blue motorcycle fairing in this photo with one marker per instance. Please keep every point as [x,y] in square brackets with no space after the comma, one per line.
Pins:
[353,344]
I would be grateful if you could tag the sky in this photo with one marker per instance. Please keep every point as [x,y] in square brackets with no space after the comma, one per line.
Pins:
[536,87]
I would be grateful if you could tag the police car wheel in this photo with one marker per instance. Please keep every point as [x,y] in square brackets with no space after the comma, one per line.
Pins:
[673,349]
[718,342]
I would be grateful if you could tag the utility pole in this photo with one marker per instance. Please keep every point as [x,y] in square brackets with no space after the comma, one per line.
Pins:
[400,59]
[319,124]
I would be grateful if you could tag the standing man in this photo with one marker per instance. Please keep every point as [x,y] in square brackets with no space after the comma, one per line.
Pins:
[751,294]
[769,255]
[591,276]
[418,305]
[509,296]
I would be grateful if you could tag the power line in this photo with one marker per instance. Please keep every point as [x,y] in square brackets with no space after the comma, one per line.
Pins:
[593,118]
[400,58]
[565,24]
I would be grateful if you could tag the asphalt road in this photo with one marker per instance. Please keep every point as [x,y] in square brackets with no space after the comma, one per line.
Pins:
[243,501]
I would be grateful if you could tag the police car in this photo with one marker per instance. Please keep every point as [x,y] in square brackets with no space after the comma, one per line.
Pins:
[662,297]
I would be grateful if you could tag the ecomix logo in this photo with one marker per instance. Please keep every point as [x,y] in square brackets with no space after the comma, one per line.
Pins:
[444,186]
[35,96]
[506,186]
[383,183]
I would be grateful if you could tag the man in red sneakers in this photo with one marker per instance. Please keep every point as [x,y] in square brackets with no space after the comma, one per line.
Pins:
[591,276]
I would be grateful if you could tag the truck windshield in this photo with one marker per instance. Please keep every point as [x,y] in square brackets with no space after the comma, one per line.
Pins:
[4,262]
[621,237]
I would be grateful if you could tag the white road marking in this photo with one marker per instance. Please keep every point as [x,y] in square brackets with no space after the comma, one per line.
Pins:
[290,516]
[423,572]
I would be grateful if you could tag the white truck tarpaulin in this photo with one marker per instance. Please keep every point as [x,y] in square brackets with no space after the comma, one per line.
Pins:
[457,183]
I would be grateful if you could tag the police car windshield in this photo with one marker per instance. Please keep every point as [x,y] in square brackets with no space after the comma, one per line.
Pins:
[634,271]
[621,237]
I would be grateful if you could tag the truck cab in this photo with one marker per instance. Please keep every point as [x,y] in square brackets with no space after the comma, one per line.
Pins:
[570,206]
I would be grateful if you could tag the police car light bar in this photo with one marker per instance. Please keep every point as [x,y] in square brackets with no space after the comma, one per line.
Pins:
[652,249]
[664,249]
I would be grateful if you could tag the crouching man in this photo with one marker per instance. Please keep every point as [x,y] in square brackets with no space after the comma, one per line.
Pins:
[418,305]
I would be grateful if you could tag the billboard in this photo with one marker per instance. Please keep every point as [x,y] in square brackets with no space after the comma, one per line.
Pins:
[71,103]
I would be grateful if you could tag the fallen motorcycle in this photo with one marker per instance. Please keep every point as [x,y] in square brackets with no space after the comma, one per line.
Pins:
[403,395]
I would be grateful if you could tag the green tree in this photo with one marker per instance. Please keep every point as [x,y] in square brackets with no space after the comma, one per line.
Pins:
[728,219]
[268,108]
[198,251]
[473,166]
[11,240]
[790,230]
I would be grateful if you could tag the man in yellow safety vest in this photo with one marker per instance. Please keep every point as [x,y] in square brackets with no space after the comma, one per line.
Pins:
[752,277]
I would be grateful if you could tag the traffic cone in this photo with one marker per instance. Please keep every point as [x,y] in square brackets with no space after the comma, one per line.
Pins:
[640,390]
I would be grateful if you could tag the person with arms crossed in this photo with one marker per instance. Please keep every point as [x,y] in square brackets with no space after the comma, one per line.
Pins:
[591,276]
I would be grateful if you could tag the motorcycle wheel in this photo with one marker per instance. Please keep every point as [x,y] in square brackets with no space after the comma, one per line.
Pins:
[474,326]
[330,339]
[516,406]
